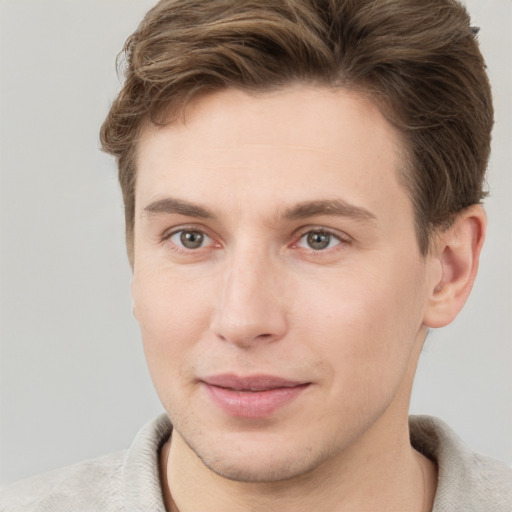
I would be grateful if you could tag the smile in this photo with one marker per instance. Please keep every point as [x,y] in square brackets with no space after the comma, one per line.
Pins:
[252,397]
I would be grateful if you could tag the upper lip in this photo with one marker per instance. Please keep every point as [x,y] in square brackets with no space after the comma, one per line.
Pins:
[251,382]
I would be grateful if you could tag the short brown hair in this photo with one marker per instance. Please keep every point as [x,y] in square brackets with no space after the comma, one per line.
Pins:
[418,60]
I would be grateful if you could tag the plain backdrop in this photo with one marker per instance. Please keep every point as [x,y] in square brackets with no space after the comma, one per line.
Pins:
[73,379]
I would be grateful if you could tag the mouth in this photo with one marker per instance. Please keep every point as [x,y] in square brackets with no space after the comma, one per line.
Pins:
[255,396]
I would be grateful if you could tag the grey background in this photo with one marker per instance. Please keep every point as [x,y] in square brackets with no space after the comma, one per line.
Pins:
[73,382]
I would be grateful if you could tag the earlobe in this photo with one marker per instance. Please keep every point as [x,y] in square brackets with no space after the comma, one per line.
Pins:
[457,252]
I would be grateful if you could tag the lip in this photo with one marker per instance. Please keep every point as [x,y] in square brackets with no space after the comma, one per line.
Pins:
[255,396]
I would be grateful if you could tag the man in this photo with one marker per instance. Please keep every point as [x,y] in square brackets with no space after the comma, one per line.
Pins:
[302,184]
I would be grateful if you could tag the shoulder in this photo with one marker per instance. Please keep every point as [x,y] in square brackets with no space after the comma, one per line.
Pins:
[127,480]
[467,480]
[492,481]
[90,485]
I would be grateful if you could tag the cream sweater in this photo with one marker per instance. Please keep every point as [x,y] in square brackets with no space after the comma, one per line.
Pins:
[128,481]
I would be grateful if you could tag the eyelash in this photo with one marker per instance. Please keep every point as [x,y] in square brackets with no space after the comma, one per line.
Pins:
[166,237]
[342,240]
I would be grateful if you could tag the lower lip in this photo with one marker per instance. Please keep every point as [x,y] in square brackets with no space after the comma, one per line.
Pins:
[253,404]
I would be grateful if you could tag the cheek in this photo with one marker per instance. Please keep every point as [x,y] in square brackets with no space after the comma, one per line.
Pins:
[364,322]
[172,315]
[172,318]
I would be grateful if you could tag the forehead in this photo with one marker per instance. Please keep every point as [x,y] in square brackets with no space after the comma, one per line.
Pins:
[297,114]
[306,141]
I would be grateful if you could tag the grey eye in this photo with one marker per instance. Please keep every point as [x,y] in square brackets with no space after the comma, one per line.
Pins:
[189,239]
[318,240]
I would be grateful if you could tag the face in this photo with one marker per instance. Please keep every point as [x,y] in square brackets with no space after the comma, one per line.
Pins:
[277,279]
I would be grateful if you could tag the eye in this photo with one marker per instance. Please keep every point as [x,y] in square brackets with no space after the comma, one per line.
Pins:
[190,239]
[318,240]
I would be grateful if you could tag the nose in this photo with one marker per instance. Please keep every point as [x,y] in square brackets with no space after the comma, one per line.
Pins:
[250,307]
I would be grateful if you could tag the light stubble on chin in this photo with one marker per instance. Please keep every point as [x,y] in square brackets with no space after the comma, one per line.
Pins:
[290,467]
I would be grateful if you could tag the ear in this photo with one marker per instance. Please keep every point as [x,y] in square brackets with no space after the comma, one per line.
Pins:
[456,253]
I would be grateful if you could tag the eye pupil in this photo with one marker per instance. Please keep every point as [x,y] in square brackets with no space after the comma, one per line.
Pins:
[318,240]
[191,239]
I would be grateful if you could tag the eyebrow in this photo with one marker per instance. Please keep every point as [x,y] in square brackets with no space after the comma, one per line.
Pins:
[334,207]
[169,205]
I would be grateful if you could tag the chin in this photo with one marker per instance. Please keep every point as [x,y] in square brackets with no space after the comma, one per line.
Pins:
[259,460]
[261,471]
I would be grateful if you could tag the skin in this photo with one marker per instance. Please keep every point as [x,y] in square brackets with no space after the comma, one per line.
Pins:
[254,175]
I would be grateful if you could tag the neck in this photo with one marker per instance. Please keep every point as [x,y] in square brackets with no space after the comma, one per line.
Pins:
[395,478]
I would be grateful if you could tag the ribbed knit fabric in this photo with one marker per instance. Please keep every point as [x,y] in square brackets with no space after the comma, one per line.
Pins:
[126,481]
[129,481]
[467,481]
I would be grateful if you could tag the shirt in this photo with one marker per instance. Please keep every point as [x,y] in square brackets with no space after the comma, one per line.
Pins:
[128,481]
